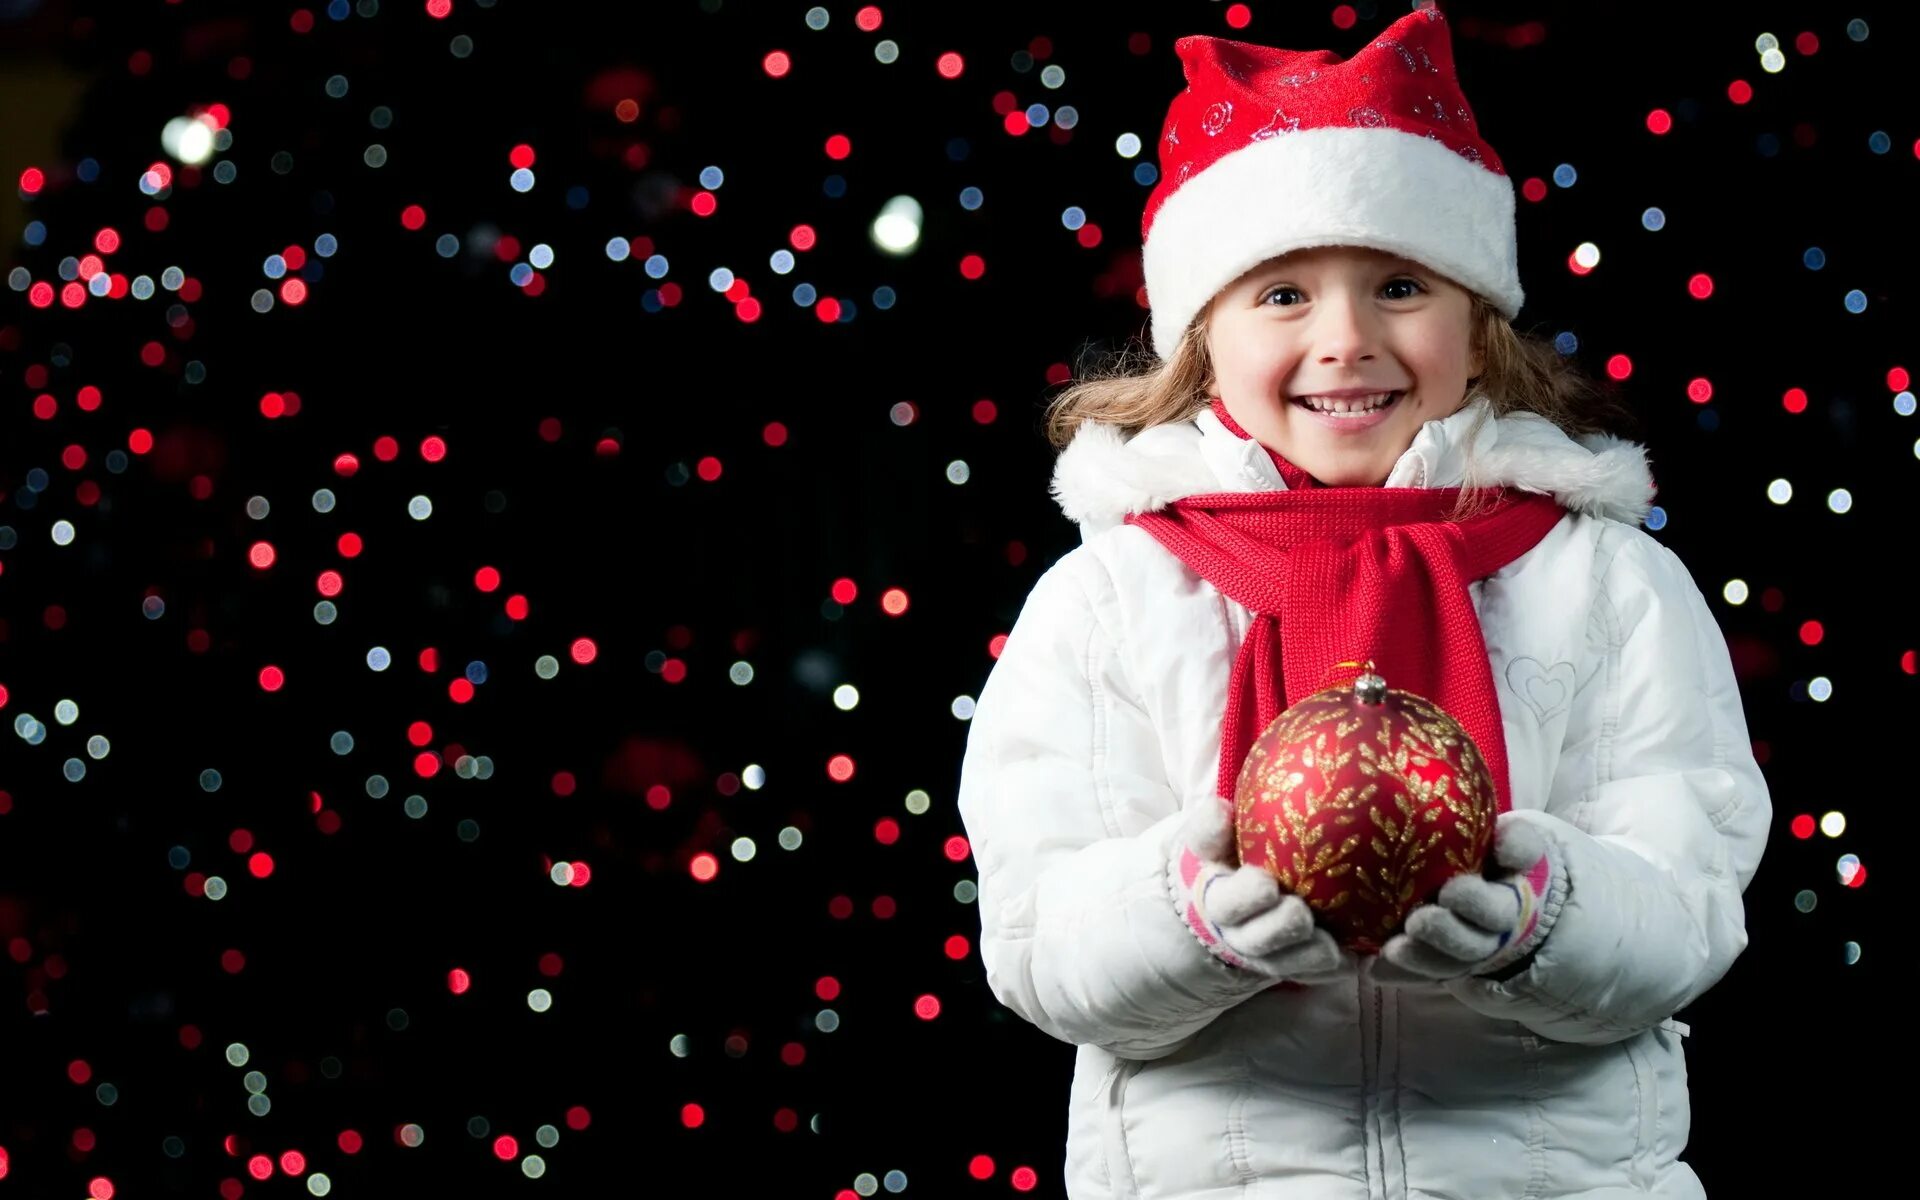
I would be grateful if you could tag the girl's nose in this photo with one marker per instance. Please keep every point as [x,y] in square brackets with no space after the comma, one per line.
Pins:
[1344,329]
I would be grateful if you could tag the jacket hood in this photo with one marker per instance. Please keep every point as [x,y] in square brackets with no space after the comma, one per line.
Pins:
[1103,475]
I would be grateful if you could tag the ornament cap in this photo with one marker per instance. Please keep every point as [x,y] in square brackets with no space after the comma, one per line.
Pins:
[1369,688]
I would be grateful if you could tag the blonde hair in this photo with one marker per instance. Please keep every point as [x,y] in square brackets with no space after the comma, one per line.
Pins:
[1521,372]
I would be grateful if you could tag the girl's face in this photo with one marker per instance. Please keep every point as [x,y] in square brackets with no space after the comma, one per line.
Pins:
[1341,319]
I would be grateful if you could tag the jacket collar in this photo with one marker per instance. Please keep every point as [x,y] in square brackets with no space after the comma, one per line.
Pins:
[1102,475]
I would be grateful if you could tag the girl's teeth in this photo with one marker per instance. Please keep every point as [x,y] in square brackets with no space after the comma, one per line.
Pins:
[1358,404]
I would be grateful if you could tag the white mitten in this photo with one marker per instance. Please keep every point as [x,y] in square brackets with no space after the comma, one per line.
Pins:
[1482,926]
[1240,913]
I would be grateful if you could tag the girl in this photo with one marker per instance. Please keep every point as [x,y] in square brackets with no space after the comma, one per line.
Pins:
[1331,264]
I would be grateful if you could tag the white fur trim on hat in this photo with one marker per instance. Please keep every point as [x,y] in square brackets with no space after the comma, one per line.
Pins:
[1380,188]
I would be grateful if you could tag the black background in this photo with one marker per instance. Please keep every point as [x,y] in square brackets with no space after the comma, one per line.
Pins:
[630,551]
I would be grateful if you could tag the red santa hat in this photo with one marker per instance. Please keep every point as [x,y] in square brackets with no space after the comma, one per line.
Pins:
[1268,151]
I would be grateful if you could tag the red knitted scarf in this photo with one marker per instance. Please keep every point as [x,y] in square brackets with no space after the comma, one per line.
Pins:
[1344,574]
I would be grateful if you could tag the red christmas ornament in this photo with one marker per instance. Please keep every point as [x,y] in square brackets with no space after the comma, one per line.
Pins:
[1363,800]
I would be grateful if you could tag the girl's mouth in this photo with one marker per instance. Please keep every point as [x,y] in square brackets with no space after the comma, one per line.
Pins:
[1357,413]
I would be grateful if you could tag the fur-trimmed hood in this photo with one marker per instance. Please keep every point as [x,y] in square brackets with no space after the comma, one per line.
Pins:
[1102,475]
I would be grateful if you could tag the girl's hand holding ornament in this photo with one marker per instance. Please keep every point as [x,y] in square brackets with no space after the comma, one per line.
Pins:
[1240,914]
[1482,926]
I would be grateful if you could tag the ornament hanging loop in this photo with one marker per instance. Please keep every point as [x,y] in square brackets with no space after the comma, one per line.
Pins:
[1368,687]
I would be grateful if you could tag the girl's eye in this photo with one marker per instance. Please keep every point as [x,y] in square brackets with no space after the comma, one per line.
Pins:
[1412,283]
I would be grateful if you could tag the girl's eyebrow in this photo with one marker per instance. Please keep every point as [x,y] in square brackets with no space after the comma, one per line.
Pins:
[1394,265]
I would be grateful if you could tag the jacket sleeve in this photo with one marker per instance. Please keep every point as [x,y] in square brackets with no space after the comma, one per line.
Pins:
[1077,925]
[1663,838]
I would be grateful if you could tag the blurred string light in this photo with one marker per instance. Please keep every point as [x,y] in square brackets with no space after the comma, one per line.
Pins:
[896,230]
[189,139]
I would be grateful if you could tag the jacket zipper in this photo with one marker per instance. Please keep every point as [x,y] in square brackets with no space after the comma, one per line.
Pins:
[1369,998]
[1380,1122]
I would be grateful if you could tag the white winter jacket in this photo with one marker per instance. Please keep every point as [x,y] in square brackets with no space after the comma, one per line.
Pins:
[1626,742]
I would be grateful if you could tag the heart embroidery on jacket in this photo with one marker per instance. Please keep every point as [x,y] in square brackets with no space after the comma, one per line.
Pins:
[1546,690]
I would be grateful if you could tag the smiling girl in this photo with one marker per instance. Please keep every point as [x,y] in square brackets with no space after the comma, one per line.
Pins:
[1341,450]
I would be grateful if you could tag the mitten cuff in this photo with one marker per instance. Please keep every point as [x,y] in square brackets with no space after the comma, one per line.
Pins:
[1187,877]
[1542,891]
